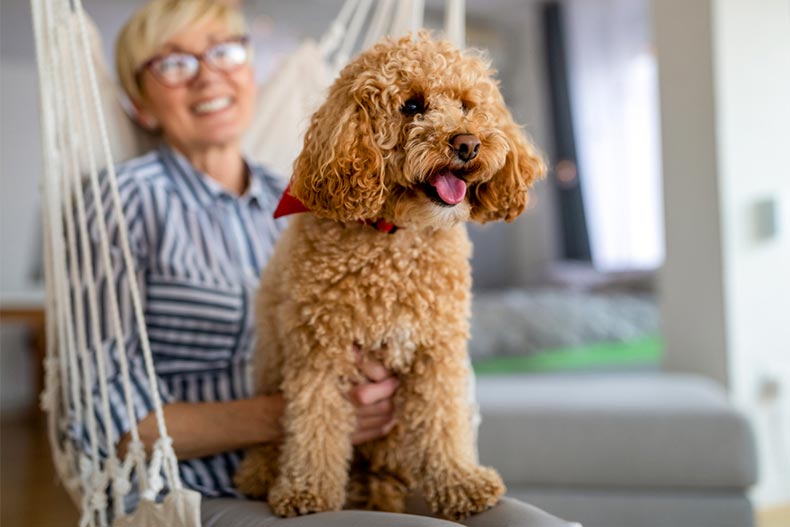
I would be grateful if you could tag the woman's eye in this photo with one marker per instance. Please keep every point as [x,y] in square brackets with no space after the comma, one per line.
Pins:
[174,64]
[228,54]
[413,106]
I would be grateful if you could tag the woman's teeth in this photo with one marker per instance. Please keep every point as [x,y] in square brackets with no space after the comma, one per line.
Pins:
[213,105]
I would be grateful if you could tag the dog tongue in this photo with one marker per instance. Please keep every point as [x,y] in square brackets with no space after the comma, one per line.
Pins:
[451,189]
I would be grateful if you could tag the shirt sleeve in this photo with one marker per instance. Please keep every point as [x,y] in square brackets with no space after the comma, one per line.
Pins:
[115,420]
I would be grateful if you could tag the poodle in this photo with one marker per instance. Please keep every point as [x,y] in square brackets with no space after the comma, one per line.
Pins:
[413,140]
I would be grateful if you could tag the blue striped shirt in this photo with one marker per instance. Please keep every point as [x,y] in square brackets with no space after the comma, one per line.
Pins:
[198,251]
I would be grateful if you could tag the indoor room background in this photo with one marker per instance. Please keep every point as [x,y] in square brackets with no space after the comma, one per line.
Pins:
[658,242]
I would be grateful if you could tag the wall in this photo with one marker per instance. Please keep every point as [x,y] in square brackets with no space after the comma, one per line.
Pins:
[19,173]
[752,75]
[724,68]
[535,238]
[20,164]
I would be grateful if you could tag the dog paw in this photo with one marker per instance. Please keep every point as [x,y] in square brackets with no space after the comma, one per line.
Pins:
[255,473]
[386,494]
[290,502]
[467,493]
[251,485]
[250,481]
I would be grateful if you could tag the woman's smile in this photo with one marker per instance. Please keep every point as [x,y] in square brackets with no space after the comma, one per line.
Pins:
[212,106]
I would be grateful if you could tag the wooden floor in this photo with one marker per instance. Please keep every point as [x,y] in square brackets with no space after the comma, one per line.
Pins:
[774,517]
[31,496]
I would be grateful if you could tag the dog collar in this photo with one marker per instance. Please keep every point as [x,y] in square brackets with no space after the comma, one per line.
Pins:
[290,204]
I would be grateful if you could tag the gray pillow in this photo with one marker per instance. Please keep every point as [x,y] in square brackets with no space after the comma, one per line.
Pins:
[517,322]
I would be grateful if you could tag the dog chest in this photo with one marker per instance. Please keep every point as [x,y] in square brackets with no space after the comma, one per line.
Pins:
[393,292]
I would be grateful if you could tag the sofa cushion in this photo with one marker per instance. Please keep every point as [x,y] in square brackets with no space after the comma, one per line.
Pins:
[614,430]
[642,507]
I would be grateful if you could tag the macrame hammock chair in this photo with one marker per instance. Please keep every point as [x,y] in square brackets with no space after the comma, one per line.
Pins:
[84,129]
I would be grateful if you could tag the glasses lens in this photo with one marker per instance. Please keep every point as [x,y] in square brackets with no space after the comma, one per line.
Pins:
[176,68]
[227,55]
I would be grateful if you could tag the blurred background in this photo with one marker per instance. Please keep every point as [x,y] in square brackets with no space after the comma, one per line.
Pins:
[657,249]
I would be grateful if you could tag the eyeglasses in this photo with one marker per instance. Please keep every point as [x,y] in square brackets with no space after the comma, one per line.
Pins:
[179,67]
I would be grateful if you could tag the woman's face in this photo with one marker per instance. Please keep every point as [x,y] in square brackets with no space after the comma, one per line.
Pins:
[213,109]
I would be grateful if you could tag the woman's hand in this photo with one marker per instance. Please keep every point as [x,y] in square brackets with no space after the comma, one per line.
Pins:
[202,429]
[373,401]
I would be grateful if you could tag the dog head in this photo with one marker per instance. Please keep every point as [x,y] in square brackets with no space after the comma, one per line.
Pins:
[416,133]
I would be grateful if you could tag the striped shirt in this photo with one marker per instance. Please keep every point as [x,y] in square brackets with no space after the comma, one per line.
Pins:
[198,251]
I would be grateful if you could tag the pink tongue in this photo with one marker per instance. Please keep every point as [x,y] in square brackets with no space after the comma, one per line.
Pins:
[451,189]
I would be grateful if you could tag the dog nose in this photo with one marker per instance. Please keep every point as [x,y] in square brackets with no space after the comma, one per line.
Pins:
[466,146]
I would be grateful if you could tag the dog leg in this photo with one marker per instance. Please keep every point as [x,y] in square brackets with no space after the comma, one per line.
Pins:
[257,471]
[388,481]
[375,491]
[316,452]
[358,488]
[437,434]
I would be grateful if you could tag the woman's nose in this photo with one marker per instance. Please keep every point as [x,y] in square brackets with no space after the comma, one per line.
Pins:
[205,75]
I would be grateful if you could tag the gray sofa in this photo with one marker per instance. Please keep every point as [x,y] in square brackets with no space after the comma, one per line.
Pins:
[620,449]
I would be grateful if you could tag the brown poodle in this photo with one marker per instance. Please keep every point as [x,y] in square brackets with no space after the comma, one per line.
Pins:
[414,139]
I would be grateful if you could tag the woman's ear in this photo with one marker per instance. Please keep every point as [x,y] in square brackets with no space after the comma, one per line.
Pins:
[505,195]
[339,173]
[144,117]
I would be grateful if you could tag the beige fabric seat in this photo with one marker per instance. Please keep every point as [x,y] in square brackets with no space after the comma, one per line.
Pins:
[622,449]
[225,512]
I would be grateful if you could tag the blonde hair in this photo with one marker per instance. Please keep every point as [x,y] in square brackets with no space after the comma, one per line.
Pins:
[154,24]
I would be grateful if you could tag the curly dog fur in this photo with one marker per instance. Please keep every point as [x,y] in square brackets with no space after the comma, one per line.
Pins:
[373,151]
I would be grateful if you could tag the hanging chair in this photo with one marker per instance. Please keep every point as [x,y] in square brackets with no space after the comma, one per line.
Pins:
[84,129]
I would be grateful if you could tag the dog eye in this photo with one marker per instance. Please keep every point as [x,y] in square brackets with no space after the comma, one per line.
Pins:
[465,107]
[413,106]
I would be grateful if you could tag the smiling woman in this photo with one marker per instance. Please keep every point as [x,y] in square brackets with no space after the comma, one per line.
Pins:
[191,79]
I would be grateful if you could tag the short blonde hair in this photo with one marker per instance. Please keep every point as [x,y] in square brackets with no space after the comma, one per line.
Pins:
[154,24]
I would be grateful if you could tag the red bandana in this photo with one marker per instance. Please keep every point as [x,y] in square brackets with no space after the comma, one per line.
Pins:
[290,204]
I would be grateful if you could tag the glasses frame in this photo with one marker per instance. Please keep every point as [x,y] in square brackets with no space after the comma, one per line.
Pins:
[244,40]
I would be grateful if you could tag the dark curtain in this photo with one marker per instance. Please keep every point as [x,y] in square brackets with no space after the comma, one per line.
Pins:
[564,168]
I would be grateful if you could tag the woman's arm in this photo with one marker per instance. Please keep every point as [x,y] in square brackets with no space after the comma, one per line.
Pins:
[204,429]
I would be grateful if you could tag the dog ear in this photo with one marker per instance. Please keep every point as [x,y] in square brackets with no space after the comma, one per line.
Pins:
[339,173]
[505,195]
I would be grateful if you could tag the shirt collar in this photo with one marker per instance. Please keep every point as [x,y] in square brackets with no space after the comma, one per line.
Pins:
[256,191]
[200,189]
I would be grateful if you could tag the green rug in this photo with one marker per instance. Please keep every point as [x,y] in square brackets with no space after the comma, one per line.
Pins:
[646,351]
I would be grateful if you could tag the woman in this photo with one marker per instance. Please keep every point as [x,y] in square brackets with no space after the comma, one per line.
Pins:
[200,227]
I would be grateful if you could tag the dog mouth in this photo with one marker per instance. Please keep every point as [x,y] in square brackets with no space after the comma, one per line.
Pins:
[446,187]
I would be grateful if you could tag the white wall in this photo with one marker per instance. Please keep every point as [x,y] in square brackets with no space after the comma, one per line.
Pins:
[751,43]
[19,152]
[20,168]
[692,299]
[724,68]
